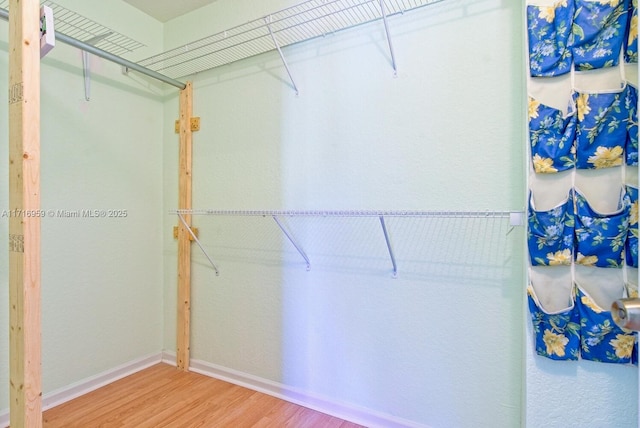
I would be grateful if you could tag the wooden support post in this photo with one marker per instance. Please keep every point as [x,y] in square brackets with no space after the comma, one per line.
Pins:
[184,237]
[24,223]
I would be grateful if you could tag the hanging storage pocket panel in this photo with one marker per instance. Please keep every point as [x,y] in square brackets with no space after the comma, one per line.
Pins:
[602,129]
[551,136]
[554,315]
[598,32]
[550,234]
[549,31]
[600,237]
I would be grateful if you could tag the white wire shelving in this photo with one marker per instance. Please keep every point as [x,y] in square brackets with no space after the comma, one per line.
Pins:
[516,218]
[304,21]
[84,29]
[347,213]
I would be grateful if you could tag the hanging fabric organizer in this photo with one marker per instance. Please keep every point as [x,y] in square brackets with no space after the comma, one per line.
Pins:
[582,212]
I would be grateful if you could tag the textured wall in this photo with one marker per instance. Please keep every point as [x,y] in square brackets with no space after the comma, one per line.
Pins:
[101,278]
[442,344]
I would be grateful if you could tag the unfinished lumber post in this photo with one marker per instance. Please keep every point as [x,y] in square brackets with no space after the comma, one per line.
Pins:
[184,237]
[24,222]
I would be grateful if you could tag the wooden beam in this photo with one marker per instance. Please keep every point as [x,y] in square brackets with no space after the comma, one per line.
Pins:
[184,237]
[24,223]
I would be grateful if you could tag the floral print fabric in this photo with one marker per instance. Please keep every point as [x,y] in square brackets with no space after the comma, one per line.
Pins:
[549,29]
[631,246]
[585,34]
[598,32]
[596,136]
[551,136]
[602,129]
[581,330]
[557,335]
[600,338]
[600,132]
[600,238]
[574,231]
[631,37]
[631,147]
[550,234]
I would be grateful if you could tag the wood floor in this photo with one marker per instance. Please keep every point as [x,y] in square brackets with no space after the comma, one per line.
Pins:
[163,396]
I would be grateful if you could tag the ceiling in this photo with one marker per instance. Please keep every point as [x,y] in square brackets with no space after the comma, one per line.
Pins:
[165,10]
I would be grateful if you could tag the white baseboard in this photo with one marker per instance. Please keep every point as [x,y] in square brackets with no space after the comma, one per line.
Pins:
[356,414]
[75,390]
[360,415]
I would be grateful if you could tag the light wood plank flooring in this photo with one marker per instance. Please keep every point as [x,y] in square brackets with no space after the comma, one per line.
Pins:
[163,396]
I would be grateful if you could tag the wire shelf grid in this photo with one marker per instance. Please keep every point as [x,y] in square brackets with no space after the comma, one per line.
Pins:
[347,213]
[81,28]
[304,21]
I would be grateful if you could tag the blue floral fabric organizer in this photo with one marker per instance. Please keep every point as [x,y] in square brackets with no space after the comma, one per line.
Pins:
[582,329]
[585,34]
[602,129]
[599,130]
[557,334]
[595,136]
[598,33]
[549,29]
[550,234]
[600,238]
[552,135]
[600,338]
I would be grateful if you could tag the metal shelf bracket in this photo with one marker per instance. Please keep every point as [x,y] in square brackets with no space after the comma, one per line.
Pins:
[293,241]
[86,69]
[195,238]
[389,247]
[267,20]
[383,10]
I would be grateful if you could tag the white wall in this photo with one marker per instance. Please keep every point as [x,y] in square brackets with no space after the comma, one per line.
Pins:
[442,344]
[101,278]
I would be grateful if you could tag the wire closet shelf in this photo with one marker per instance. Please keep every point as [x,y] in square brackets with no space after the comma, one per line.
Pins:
[78,27]
[304,21]
[348,213]
[515,219]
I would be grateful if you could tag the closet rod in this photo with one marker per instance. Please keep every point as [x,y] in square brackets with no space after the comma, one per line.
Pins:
[4,14]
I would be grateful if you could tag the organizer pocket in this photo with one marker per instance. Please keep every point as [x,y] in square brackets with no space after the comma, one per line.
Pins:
[600,338]
[554,315]
[551,136]
[601,132]
[549,31]
[550,234]
[601,237]
[598,33]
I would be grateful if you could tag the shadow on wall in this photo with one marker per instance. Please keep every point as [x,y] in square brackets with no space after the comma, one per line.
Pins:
[442,250]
